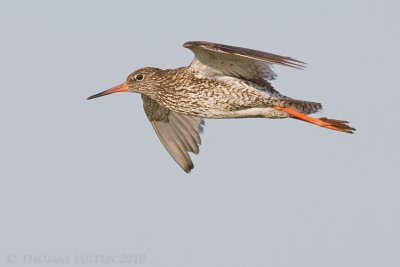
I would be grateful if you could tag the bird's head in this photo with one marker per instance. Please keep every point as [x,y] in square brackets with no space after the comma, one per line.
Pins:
[144,80]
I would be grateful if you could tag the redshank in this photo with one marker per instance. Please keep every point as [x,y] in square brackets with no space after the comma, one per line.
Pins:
[221,82]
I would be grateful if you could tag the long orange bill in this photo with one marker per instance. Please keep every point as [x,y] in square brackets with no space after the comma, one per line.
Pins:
[123,87]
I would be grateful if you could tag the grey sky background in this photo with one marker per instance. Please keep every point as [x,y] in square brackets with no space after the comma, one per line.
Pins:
[91,178]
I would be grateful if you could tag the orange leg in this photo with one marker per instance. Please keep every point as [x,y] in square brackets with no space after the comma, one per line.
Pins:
[336,125]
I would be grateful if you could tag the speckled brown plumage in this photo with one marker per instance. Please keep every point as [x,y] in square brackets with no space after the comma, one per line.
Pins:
[221,82]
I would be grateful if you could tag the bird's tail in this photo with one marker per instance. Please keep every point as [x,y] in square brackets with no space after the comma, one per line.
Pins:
[305,107]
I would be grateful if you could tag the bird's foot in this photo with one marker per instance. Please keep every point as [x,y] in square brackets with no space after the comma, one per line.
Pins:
[336,125]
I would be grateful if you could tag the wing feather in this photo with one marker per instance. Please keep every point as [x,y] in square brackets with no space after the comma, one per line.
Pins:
[212,59]
[179,133]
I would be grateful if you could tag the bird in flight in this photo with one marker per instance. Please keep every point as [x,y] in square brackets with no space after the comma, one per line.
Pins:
[221,82]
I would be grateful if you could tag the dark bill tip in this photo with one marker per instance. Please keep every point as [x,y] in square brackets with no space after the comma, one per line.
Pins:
[123,87]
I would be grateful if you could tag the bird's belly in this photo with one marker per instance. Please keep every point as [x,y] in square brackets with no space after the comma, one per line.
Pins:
[222,100]
[217,108]
[262,112]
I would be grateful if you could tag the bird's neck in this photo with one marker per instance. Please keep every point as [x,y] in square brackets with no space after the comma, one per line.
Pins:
[170,78]
[167,83]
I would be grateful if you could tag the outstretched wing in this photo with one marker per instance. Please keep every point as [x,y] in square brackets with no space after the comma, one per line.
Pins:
[178,133]
[213,59]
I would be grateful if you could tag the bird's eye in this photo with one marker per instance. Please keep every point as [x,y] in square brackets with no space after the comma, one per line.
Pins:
[139,77]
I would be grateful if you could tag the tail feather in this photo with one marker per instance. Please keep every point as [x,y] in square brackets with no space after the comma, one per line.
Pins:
[305,107]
